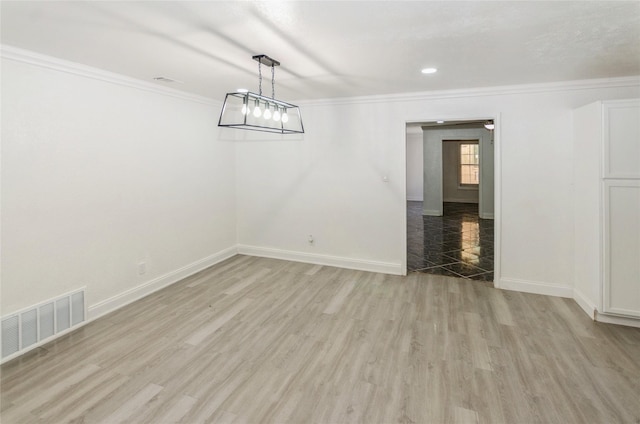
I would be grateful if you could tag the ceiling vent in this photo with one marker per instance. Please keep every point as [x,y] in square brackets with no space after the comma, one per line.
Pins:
[167,80]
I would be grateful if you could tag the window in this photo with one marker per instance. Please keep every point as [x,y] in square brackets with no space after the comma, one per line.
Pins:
[469,164]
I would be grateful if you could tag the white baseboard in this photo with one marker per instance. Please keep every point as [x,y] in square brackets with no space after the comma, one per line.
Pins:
[122,299]
[414,199]
[312,258]
[431,212]
[612,319]
[456,200]
[535,287]
[586,305]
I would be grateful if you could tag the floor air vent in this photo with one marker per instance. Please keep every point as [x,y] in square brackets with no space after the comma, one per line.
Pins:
[41,323]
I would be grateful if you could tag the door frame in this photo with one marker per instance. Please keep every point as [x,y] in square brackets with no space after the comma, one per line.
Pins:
[497,187]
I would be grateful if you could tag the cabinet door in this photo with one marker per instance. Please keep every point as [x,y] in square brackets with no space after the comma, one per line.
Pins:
[622,139]
[622,247]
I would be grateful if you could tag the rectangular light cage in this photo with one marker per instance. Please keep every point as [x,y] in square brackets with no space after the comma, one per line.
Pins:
[272,115]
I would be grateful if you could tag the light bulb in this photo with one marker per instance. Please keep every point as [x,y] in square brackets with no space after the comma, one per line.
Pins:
[267,113]
[257,112]
[244,109]
[276,114]
[285,117]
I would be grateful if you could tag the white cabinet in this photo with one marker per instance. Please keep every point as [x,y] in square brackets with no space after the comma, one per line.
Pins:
[621,293]
[607,208]
[621,139]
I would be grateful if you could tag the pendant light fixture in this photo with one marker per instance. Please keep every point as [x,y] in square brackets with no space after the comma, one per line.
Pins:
[251,111]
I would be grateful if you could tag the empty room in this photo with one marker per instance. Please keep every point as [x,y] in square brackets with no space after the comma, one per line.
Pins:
[320,212]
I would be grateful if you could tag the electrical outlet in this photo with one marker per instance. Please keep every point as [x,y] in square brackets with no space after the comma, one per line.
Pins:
[142,268]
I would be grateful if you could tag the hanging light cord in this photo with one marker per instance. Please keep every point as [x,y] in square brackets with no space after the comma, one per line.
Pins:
[273,81]
[260,76]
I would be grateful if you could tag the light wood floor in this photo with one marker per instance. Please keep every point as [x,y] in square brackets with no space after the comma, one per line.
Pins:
[265,341]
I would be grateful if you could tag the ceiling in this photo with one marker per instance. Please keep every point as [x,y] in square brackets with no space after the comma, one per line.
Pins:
[334,49]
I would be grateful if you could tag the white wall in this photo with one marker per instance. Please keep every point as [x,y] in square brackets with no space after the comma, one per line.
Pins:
[330,183]
[487,176]
[433,173]
[451,191]
[587,127]
[100,173]
[435,140]
[415,177]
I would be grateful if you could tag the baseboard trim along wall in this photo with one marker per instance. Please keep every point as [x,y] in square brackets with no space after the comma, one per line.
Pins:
[312,258]
[587,306]
[612,319]
[592,310]
[122,299]
[431,212]
[535,287]
[457,200]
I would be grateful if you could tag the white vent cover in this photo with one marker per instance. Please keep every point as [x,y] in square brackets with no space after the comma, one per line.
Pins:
[36,325]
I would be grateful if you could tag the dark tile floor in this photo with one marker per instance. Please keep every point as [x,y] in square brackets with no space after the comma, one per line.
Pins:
[457,244]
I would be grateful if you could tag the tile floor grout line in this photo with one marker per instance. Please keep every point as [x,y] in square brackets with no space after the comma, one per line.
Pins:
[458,243]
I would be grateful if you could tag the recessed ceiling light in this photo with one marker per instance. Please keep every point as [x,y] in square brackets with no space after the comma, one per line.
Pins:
[242,90]
[439,122]
[429,70]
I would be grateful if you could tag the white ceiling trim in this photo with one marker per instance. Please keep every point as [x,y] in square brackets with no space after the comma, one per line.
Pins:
[49,62]
[632,82]
[44,61]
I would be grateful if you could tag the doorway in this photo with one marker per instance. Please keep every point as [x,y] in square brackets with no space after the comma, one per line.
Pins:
[450,197]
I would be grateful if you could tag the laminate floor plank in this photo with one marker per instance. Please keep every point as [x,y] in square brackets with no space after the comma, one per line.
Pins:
[339,298]
[83,398]
[126,411]
[30,368]
[263,340]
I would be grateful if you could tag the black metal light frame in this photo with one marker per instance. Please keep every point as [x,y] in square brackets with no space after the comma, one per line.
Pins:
[236,110]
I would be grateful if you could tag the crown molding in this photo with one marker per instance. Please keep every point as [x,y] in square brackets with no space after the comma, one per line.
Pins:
[61,65]
[44,61]
[632,81]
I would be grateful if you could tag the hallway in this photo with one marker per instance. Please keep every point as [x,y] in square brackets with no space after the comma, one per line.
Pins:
[457,244]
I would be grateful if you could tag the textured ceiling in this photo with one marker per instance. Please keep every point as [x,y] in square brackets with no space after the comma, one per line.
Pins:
[335,49]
